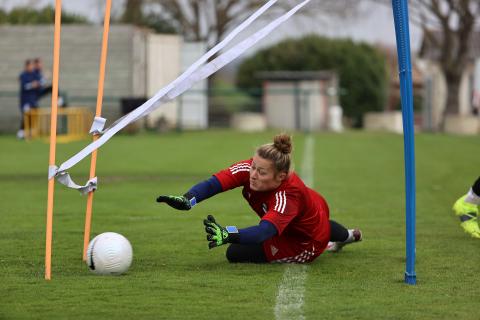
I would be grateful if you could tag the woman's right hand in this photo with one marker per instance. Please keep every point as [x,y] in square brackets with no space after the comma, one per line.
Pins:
[177,202]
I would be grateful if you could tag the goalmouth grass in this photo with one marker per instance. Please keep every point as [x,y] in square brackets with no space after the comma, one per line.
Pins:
[175,276]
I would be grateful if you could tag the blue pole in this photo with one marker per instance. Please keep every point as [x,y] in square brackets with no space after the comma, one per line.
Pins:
[400,14]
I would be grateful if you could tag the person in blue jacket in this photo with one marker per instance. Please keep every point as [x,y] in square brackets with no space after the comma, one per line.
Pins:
[28,93]
[45,88]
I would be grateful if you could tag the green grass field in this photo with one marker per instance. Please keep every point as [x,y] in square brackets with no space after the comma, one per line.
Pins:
[175,276]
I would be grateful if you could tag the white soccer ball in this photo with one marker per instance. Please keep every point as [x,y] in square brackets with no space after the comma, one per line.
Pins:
[109,253]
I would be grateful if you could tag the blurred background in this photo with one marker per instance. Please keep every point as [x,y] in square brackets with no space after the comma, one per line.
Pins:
[332,66]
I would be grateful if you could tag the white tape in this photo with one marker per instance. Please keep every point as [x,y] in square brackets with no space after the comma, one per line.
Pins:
[64,178]
[52,171]
[188,78]
[97,125]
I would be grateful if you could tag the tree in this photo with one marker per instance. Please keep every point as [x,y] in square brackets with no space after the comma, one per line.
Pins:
[361,69]
[46,15]
[448,26]
[3,16]
[456,20]
[210,20]
[134,14]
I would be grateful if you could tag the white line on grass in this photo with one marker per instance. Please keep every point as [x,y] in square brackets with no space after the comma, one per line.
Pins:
[290,293]
[289,304]
[307,163]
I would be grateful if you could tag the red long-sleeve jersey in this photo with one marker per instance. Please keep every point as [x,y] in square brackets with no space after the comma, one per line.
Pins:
[298,212]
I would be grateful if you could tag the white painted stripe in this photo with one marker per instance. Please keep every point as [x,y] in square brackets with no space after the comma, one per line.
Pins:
[291,291]
[307,164]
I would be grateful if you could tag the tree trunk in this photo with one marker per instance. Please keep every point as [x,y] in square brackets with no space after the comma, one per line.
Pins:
[133,12]
[452,106]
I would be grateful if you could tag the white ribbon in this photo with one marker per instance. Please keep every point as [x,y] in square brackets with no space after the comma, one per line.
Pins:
[210,53]
[65,179]
[188,78]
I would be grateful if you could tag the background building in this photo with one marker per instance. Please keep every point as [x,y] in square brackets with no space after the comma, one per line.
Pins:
[139,63]
[298,100]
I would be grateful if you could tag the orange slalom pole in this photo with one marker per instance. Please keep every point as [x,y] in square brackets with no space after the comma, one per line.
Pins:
[53,137]
[98,113]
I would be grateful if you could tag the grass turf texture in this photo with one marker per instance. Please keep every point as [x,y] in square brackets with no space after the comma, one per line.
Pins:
[175,276]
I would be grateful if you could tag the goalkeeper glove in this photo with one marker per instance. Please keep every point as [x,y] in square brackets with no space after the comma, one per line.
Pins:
[218,235]
[185,202]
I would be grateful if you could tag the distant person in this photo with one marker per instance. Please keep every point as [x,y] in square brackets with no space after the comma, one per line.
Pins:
[467,209]
[28,94]
[294,222]
[45,88]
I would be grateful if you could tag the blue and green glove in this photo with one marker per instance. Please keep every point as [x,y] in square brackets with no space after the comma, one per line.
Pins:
[185,202]
[218,235]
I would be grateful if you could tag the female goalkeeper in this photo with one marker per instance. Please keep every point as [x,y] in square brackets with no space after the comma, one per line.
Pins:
[294,219]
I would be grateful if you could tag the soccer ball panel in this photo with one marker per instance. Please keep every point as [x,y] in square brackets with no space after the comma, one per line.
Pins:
[109,253]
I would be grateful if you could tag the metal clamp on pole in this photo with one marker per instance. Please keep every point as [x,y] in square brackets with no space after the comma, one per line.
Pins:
[97,126]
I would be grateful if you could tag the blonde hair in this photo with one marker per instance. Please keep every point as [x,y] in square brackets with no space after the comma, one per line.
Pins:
[278,152]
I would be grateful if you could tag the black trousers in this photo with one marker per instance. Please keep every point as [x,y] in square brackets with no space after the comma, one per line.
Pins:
[254,253]
[44,91]
[22,118]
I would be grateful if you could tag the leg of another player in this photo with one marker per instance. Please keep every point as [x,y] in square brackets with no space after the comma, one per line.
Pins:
[467,209]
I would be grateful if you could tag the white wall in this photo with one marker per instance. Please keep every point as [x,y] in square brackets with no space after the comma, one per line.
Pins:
[163,66]
[168,56]
[194,102]
[280,104]
[314,105]
[439,91]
